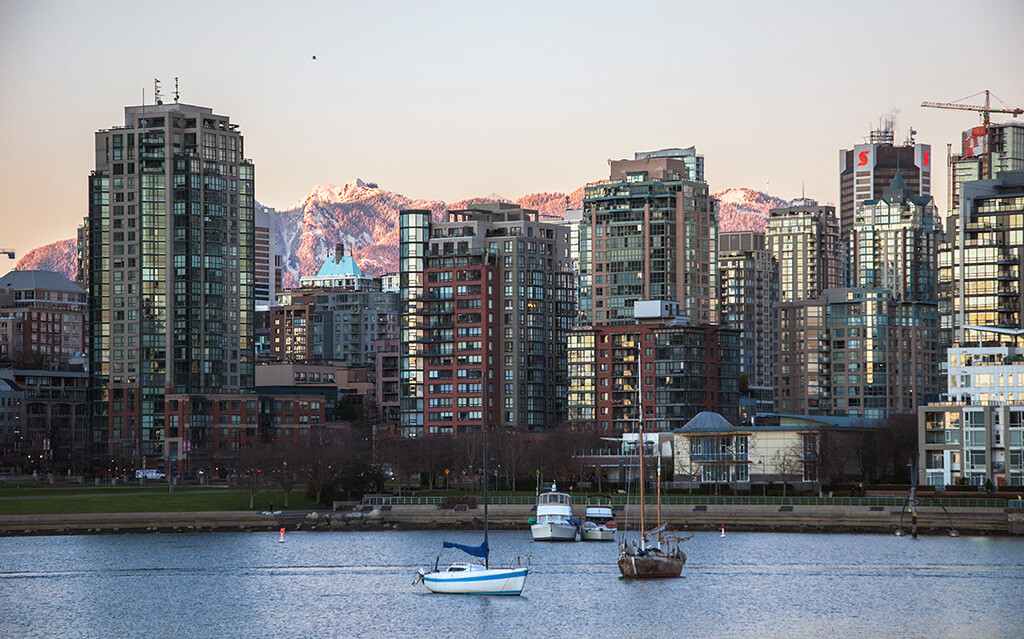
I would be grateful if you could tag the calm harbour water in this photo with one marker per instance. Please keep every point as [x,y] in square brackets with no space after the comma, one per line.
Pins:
[353,584]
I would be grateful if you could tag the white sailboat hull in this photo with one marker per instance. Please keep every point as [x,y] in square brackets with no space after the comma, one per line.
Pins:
[492,581]
[553,531]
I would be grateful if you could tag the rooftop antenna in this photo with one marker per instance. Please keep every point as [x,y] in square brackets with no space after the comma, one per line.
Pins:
[175,89]
[156,91]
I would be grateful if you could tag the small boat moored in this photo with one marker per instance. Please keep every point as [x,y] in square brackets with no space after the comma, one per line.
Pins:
[461,578]
[554,517]
[598,523]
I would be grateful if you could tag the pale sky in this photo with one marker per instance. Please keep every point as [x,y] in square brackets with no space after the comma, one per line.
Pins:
[448,100]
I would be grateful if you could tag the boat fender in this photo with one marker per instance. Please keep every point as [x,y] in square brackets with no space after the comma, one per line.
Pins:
[531,520]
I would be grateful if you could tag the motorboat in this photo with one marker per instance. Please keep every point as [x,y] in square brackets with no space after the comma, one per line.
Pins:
[554,521]
[598,523]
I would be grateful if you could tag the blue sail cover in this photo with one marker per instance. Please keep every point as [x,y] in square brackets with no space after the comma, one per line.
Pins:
[476,551]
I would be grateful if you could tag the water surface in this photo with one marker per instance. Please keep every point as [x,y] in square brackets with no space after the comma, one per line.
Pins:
[350,584]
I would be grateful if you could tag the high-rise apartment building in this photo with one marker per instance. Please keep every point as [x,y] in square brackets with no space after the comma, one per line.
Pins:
[335,315]
[42,315]
[884,353]
[894,244]
[982,265]
[977,437]
[984,154]
[803,382]
[674,369]
[649,232]
[267,261]
[804,237]
[867,169]
[857,353]
[749,289]
[169,249]
[487,297]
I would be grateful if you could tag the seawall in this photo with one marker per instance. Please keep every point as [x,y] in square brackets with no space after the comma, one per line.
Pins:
[768,518]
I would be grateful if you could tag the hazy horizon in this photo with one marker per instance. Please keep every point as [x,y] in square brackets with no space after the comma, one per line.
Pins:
[459,99]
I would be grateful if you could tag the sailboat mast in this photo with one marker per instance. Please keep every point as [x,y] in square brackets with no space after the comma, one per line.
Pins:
[640,428]
[487,558]
[659,493]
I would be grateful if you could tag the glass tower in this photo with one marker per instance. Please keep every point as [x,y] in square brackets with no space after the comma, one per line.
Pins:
[169,260]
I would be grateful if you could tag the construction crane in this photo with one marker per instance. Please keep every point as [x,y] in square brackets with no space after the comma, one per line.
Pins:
[10,253]
[985,109]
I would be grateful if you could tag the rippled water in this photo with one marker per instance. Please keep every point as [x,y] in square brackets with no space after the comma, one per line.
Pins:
[349,584]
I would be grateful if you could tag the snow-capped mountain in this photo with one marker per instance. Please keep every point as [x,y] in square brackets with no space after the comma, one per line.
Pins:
[364,217]
[744,209]
[59,257]
[359,215]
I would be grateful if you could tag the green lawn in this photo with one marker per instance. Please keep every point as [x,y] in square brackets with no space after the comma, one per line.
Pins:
[184,499]
[46,490]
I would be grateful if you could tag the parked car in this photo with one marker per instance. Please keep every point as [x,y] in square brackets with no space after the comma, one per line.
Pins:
[149,473]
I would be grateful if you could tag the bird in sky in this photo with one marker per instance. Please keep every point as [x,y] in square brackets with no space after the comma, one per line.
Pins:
[314,57]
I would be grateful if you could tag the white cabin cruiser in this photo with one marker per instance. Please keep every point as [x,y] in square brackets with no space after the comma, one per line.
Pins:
[598,524]
[554,520]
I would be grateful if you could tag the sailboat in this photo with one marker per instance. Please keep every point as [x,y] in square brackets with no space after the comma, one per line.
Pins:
[658,554]
[474,578]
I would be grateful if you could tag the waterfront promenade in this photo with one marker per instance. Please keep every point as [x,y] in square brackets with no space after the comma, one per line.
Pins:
[999,517]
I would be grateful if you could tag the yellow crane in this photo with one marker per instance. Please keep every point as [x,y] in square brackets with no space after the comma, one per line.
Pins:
[985,109]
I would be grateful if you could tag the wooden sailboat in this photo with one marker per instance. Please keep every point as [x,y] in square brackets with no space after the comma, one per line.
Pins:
[658,554]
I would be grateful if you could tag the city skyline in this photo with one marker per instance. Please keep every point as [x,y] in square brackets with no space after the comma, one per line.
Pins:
[465,100]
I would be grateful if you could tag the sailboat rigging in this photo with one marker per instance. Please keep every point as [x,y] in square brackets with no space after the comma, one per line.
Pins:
[464,578]
[649,559]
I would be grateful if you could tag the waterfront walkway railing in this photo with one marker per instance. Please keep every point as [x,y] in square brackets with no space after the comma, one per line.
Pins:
[711,500]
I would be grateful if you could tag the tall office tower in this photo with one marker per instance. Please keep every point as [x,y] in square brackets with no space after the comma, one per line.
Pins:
[267,261]
[650,232]
[487,300]
[894,244]
[985,154]
[749,287]
[169,248]
[804,237]
[867,169]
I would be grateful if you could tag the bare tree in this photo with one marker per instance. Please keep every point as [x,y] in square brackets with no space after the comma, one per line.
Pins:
[511,454]
[400,454]
[435,454]
[789,462]
[468,456]
[253,464]
[896,442]
[287,470]
[321,460]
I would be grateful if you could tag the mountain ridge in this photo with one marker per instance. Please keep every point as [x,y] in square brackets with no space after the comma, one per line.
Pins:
[364,217]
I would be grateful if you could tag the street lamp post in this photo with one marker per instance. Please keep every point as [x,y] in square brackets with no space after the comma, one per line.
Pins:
[764,486]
